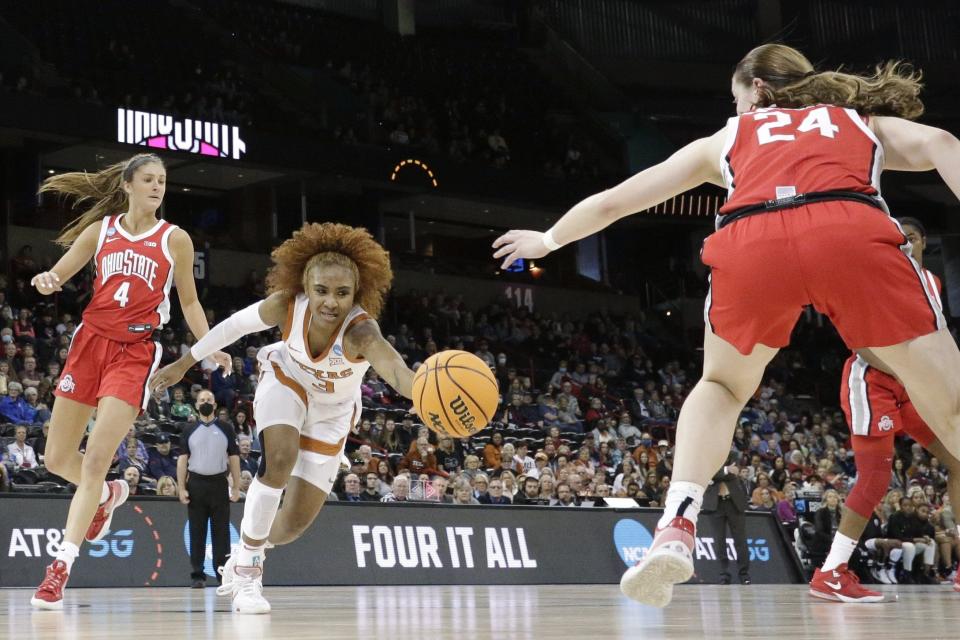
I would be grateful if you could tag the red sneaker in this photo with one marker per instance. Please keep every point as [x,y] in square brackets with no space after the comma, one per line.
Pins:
[49,594]
[119,492]
[956,582]
[841,585]
[669,561]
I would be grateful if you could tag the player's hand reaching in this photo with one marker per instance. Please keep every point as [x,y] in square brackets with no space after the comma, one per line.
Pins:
[46,283]
[223,360]
[167,377]
[516,244]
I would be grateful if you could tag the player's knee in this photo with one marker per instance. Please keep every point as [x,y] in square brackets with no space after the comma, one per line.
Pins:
[867,494]
[873,479]
[729,387]
[56,459]
[277,461]
[96,462]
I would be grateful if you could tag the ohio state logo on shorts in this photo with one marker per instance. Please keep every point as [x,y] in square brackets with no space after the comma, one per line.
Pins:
[885,424]
[67,385]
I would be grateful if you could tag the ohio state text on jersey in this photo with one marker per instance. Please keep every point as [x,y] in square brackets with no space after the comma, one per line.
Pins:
[134,274]
[777,153]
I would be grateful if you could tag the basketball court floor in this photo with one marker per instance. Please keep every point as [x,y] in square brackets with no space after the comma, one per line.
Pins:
[480,613]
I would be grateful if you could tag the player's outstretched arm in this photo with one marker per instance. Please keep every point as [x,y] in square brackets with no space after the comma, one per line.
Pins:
[80,253]
[259,316]
[691,166]
[365,340]
[181,248]
[911,146]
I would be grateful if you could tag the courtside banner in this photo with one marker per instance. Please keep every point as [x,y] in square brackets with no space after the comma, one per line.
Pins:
[376,544]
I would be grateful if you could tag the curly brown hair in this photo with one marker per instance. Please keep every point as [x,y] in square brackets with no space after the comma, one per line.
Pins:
[330,243]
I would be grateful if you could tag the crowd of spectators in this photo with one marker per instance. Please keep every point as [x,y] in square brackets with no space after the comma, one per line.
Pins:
[92,51]
[588,411]
[466,96]
[470,95]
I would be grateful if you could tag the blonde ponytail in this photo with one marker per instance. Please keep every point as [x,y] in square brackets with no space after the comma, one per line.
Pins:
[104,187]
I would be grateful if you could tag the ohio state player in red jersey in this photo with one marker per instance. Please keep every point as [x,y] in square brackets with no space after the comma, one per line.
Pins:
[138,258]
[804,225]
[877,408]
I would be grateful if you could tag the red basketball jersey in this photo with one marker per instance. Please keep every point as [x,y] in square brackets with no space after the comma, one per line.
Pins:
[131,291]
[777,153]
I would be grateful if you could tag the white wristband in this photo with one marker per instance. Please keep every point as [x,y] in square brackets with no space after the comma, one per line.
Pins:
[549,242]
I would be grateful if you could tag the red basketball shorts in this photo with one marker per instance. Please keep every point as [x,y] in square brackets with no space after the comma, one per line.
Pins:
[845,258]
[98,367]
[877,406]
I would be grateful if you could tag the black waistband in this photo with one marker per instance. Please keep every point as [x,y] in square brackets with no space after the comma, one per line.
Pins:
[798,200]
[199,476]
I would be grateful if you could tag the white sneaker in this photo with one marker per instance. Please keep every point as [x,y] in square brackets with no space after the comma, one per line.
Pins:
[247,586]
[227,575]
[668,562]
[891,572]
[880,575]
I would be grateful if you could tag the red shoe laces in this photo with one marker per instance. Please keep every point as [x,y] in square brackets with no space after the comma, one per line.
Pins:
[53,580]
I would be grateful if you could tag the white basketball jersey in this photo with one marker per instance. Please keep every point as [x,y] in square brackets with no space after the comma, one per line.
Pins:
[331,377]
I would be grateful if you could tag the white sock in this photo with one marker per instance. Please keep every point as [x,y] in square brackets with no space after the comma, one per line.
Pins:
[259,511]
[840,552]
[683,499]
[249,556]
[958,529]
[104,492]
[68,553]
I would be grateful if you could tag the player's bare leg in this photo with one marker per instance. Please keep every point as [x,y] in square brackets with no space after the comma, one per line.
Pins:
[68,424]
[301,504]
[704,434]
[114,418]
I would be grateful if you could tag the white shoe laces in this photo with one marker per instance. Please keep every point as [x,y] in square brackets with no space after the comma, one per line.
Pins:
[248,587]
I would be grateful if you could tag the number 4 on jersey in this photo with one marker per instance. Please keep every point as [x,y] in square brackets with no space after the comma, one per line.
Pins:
[121,295]
[818,119]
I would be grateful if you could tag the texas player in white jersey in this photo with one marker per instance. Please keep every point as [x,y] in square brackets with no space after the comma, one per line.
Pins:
[326,287]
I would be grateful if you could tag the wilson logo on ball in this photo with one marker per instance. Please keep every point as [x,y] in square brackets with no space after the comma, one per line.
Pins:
[456,393]
[459,408]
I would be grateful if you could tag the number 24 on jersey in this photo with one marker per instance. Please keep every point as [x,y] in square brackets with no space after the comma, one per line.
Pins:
[779,121]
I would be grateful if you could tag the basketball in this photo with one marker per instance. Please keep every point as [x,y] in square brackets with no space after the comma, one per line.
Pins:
[455,393]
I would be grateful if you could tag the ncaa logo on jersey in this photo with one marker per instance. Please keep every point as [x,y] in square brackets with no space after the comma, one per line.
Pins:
[111,231]
[67,385]
[885,423]
[338,350]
